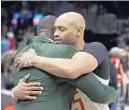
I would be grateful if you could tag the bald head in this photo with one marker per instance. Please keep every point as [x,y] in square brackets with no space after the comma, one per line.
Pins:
[72,18]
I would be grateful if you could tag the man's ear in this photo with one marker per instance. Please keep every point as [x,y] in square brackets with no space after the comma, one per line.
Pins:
[79,31]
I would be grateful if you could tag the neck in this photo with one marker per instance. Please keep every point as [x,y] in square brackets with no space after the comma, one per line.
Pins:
[80,45]
[45,34]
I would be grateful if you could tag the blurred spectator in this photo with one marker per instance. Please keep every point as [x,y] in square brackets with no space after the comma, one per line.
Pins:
[26,38]
[81,8]
[123,40]
[119,25]
[37,16]
[100,21]
[109,20]
[22,43]
[63,7]
[119,58]
[4,14]
[10,36]
[113,79]
[47,7]
[113,76]
[4,29]
[124,59]
[92,15]
[29,33]
[5,45]
[116,54]
[115,58]
[8,69]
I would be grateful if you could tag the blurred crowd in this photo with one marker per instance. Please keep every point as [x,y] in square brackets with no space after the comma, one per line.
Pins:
[120,59]
[20,19]
[19,22]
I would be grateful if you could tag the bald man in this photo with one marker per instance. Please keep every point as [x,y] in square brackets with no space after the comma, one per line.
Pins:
[77,41]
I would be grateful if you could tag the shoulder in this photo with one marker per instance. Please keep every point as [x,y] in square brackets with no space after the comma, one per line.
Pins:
[95,45]
[97,49]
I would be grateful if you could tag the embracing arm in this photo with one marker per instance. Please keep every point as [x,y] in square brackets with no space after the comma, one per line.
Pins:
[81,63]
[94,89]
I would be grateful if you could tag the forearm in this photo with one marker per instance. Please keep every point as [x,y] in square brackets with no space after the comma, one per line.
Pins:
[55,66]
[94,89]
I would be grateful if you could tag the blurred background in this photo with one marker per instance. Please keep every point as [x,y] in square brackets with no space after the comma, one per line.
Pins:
[106,22]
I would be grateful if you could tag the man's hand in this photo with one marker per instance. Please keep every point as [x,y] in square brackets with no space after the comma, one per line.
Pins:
[24,59]
[25,90]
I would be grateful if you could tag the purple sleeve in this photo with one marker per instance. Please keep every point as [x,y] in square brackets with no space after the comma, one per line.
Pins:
[98,50]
